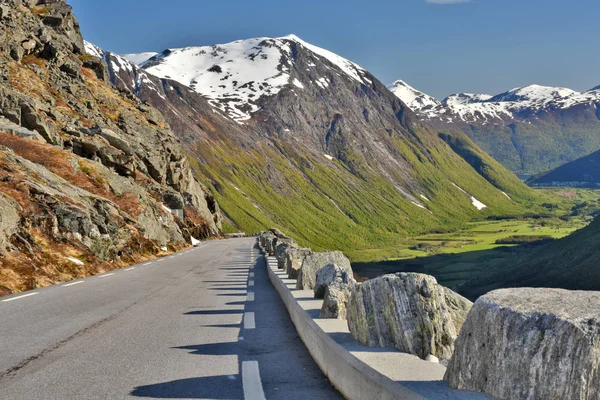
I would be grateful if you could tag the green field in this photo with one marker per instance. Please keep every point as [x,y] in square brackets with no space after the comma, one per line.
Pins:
[472,253]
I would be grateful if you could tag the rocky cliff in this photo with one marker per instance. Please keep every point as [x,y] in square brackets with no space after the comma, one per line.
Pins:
[87,172]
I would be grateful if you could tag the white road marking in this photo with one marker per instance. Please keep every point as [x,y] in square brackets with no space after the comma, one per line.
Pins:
[249,322]
[251,283]
[172,257]
[130,269]
[251,275]
[241,338]
[161,260]
[74,283]
[104,276]
[20,297]
[148,263]
[253,389]
[250,296]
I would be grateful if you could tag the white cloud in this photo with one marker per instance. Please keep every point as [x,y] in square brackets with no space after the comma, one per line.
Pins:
[447,1]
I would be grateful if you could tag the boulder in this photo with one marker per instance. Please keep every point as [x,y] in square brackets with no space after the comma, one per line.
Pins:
[307,276]
[16,130]
[329,275]
[294,257]
[408,311]
[530,344]
[263,238]
[282,246]
[335,303]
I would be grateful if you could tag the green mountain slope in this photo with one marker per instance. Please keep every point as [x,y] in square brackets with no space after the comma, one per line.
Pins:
[584,171]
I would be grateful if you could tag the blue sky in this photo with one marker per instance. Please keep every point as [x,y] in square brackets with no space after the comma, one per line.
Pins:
[481,46]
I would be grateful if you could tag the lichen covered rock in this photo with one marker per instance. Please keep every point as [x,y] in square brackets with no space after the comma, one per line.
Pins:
[335,302]
[307,276]
[329,275]
[408,311]
[533,344]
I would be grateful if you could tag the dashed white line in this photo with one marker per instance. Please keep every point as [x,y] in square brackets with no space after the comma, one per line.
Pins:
[251,275]
[252,384]
[20,297]
[107,275]
[130,269]
[251,283]
[161,260]
[73,283]
[148,263]
[250,296]
[249,321]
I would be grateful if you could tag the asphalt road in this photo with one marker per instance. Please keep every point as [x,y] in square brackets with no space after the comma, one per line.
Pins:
[205,323]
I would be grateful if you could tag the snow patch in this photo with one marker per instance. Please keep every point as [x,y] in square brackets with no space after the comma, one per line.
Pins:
[327,156]
[479,205]
[507,196]
[195,241]
[298,84]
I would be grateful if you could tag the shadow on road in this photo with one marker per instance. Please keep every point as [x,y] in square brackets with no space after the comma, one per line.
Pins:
[210,387]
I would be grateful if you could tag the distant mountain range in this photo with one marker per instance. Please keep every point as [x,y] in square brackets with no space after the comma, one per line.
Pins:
[289,134]
[530,130]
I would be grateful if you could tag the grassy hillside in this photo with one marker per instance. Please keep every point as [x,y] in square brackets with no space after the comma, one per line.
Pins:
[328,205]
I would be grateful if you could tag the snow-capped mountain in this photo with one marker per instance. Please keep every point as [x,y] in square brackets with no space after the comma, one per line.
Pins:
[237,75]
[529,129]
[305,121]
[485,108]
[139,58]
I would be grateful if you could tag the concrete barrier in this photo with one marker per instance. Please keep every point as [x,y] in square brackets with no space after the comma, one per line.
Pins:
[352,377]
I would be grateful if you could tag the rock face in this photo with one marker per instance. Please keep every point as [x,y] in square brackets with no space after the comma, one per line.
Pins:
[95,171]
[408,311]
[335,303]
[307,276]
[294,257]
[330,275]
[530,344]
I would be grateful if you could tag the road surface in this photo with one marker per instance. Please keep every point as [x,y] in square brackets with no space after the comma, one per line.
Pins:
[204,323]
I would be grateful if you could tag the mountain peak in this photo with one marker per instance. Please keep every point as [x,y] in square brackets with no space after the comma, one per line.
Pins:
[235,76]
[413,98]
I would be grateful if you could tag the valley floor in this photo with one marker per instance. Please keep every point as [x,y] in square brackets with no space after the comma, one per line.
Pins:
[483,247]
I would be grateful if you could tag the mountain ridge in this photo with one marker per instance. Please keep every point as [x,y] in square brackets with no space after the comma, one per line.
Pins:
[530,129]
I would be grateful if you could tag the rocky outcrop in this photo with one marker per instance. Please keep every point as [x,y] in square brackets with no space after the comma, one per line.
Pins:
[95,171]
[408,311]
[329,275]
[335,301]
[307,276]
[530,344]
